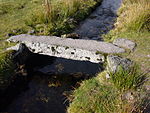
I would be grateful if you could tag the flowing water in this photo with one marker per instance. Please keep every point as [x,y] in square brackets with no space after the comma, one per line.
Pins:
[50,80]
[100,21]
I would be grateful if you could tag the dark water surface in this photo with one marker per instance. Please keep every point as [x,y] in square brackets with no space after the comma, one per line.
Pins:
[47,86]
[100,22]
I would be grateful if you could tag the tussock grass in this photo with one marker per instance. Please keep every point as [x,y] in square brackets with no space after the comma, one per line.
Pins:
[46,17]
[134,18]
[58,17]
[130,79]
[134,15]
[101,95]
[133,23]
[93,97]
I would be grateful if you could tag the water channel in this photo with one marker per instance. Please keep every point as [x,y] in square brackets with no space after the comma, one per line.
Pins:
[51,80]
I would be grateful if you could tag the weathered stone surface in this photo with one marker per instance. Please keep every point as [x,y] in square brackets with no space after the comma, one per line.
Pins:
[113,63]
[76,49]
[121,42]
[89,45]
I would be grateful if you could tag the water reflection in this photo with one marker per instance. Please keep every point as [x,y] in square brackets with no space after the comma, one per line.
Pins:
[47,86]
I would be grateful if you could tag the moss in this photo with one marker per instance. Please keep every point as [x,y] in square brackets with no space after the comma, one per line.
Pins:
[7,68]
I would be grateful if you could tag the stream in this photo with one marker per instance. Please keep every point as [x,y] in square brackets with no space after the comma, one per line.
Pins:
[51,80]
[100,22]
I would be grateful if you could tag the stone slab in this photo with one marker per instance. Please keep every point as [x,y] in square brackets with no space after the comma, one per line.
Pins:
[75,49]
[125,43]
[90,45]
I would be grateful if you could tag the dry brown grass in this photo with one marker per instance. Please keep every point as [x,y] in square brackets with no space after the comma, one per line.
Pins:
[134,15]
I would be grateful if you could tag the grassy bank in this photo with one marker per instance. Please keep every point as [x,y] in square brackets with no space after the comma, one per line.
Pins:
[118,94]
[134,23]
[102,95]
[122,92]
[45,17]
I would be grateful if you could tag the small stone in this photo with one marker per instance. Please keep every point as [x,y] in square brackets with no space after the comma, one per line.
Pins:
[71,35]
[9,34]
[114,62]
[128,96]
[107,76]
[15,31]
[125,43]
[31,32]
[148,56]
[147,87]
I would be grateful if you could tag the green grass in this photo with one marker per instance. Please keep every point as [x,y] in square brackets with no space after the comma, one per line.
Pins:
[134,15]
[13,15]
[130,79]
[45,17]
[53,18]
[133,24]
[56,17]
[60,16]
[93,97]
[102,95]
[7,68]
